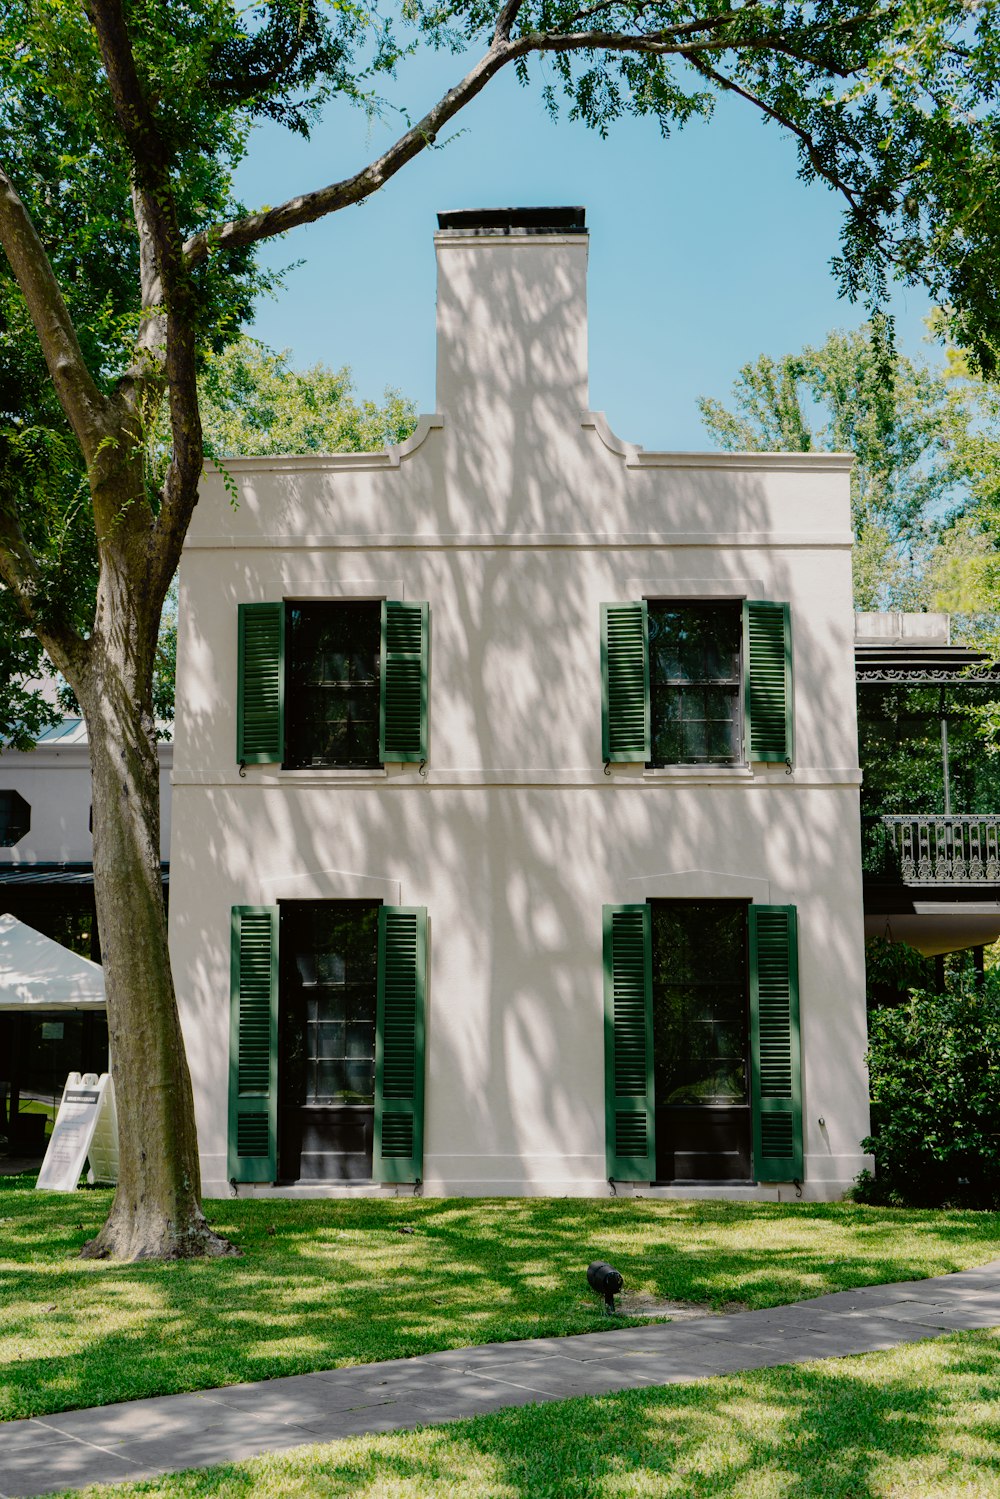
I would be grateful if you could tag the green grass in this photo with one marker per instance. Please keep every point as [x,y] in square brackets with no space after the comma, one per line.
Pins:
[324,1283]
[919,1422]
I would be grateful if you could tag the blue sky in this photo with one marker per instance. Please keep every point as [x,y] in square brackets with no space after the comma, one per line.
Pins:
[705,249]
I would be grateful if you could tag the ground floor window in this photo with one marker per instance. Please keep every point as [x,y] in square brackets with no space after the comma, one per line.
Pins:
[326,1055]
[326,1042]
[702,1049]
[701,1032]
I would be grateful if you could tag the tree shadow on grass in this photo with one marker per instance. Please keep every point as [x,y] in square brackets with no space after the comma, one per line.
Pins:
[327,1283]
[915,1422]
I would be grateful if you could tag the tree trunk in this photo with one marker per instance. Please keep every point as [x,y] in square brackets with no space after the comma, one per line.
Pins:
[156,1211]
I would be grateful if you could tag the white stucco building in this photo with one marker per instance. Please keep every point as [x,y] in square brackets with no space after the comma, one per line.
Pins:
[515,825]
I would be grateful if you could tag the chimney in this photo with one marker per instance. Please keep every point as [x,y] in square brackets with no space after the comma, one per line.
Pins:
[511,313]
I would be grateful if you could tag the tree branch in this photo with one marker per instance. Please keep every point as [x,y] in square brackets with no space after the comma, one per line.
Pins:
[20,571]
[166,287]
[505,20]
[309,207]
[86,409]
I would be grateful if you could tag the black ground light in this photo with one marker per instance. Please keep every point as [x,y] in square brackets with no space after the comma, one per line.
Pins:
[606,1281]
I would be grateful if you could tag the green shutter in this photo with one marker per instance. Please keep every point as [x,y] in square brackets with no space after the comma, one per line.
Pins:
[628,1044]
[403,709]
[775,1048]
[260,697]
[625,682]
[398,1154]
[253,1045]
[767,653]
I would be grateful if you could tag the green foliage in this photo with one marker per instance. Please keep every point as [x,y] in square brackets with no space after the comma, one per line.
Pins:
[934,1065]
[893,969]
[253,403]
[899,744]
[898,418]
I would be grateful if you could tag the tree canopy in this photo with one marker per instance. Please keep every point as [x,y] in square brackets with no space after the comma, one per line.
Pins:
[926,444]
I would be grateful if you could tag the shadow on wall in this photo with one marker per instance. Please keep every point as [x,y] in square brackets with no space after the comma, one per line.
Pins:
[515,879]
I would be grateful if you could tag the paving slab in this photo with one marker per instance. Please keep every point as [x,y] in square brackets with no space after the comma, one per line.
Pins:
[143,1438]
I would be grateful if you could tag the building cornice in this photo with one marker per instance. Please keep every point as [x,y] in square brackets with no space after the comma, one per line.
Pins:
[637,457]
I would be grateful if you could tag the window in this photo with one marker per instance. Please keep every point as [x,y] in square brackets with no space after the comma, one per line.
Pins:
[326,1039]
[701,1040]
[695,654]
[15,818]
[332,683]
[698,683]
[326,1042]
[702,1063]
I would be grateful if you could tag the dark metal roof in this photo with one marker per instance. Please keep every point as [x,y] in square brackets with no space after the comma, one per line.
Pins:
[515,220]
[39,875]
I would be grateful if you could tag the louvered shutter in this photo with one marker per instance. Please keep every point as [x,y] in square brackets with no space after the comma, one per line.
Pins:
[260,695]
[775,1048]
[625,682]
[767,653]
[404,662]
[253,1045]
[399,1044]
[628,1043]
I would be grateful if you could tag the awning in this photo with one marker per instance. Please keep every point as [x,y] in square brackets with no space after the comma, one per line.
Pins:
[39,974]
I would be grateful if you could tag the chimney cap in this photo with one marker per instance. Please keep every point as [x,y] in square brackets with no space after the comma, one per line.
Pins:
[514,220]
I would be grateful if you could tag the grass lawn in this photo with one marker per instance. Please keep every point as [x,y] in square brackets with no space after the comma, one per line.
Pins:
[919,1422]
[324,1283]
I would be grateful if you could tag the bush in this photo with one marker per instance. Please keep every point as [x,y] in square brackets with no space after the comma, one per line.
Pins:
[894,970]
[934,1065]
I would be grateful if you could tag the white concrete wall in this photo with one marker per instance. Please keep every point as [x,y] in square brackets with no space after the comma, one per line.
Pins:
[516,514]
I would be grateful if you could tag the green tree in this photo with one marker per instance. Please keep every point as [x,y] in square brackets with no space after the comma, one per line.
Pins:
[900,420]
[254,403]
[129,259]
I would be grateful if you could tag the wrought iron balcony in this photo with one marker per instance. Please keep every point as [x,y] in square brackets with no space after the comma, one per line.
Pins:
[937,850]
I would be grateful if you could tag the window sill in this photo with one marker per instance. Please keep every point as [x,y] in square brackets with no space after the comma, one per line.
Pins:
[322,774]
[698,773]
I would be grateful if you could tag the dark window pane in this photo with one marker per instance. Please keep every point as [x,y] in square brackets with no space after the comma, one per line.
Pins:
[328,999]
[700,1003]
[695,696]
[332,684]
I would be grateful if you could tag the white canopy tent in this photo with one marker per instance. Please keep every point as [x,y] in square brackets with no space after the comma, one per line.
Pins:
[37,973]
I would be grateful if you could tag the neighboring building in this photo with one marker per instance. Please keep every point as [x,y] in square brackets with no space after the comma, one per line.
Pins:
[47,881]
[516,822]
[930,825]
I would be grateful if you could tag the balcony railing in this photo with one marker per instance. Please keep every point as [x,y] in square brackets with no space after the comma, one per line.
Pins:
[939,850]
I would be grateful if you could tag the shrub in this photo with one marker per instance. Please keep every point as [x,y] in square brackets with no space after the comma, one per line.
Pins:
[934,1065]
[893,970]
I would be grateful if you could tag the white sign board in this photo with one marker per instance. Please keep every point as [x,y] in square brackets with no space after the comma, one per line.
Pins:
[85,1125]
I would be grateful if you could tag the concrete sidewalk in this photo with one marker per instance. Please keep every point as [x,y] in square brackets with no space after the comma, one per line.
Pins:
[147,1437]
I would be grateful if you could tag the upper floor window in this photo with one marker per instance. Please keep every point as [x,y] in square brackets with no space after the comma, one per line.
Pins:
[695,683]
[15,818]
[332,683]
